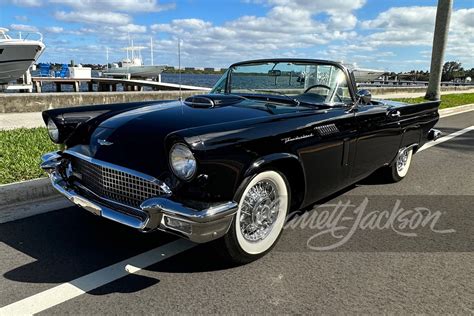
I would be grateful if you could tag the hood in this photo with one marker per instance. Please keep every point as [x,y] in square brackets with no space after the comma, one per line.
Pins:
[136,139]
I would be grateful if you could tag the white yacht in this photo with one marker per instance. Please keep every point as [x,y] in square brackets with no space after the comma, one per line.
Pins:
[367,75]
[364,74]
[17,55]
[132,66]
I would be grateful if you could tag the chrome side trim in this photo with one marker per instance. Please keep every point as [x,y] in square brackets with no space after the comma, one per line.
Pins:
[166,190]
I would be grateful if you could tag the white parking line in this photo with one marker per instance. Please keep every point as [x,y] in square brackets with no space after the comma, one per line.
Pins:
[446,138]
[66,291]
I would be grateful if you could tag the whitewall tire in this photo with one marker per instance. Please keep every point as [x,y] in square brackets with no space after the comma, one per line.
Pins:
[402,164]
[257,226]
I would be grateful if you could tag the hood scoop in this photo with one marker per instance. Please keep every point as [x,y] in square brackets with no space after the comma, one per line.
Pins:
[208,101]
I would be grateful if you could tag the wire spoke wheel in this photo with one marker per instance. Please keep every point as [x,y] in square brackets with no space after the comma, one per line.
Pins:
[259,211]
[259,221]
[403,162]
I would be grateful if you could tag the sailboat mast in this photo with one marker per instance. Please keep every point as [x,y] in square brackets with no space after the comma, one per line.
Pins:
[151,50]
[128,47]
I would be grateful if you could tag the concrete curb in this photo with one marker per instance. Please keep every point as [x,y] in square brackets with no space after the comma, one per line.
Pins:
[456,110]
[25,191]
[27,198]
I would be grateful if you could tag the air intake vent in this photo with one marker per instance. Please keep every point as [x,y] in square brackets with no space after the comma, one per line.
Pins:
[212,100]
[198,101]
[325,130]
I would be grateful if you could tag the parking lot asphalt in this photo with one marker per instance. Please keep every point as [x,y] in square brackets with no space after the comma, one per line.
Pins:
[398,269]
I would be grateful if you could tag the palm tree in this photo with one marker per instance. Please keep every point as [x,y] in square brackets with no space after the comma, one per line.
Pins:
[443,15]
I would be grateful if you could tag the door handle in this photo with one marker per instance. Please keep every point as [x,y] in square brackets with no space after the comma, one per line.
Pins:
[395,114]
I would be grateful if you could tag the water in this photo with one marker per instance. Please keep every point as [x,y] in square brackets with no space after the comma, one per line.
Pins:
[207,81]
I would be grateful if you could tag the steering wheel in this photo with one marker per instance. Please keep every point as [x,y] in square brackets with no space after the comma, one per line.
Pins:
[322,86]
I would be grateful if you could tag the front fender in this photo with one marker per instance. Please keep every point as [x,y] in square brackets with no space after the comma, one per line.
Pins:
[291,167]
[262,162]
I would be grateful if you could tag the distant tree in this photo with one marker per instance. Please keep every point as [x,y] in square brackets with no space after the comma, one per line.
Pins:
[451,69]
[470,73]
[440,37]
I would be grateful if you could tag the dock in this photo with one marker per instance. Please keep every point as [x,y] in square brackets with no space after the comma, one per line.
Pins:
[110,84]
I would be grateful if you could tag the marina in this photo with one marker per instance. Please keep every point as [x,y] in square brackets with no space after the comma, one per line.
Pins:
[110,84]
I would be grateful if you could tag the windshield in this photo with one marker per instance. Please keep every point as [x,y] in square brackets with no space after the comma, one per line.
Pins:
[304,82]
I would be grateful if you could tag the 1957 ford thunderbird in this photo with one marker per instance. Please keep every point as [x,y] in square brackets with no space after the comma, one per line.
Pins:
[273,136]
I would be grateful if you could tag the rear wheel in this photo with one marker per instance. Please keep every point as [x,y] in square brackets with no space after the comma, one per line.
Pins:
[257,226]
[399,168]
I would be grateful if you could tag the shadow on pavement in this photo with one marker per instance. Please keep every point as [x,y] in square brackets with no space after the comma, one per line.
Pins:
[71,243]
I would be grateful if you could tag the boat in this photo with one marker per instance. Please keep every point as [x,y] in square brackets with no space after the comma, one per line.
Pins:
[132,66]
[367,75]
[364,74]
[17,55]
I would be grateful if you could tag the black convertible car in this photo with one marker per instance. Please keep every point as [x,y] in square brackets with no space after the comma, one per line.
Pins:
[273,136]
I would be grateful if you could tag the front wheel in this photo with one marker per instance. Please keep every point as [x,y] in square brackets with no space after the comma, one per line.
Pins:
[259,221]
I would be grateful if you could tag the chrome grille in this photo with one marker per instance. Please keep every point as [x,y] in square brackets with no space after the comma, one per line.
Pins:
[114,184]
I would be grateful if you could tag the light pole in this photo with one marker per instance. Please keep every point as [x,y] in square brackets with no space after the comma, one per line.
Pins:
[443,15]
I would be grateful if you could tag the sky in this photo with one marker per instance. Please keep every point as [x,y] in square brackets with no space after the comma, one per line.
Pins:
[388,35]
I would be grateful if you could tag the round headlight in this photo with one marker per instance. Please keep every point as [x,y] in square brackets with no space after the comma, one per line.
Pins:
[182,161]
[53,131]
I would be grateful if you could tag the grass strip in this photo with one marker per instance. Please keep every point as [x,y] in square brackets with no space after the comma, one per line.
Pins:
[447,100]
[20,153]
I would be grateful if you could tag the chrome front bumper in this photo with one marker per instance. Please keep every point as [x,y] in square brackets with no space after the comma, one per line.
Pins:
[156,213]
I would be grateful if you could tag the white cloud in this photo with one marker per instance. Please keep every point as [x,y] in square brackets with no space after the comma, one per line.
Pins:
[465,18]
[27,3]
[339,11]
[23,28]
[414,26]
[54,29]
[21,18]
[132,28]
[404,17]
[93,17]
[116,5]
[287,26]
[332,6]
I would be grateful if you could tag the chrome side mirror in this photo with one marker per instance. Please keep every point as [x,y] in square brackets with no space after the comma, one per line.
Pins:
[364,96]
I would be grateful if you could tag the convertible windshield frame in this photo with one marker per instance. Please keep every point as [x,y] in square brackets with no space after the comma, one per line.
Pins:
[350,83]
